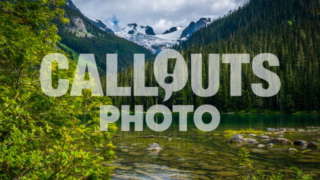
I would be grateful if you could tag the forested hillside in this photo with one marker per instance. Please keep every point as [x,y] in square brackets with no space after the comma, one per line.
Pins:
[289,29]
[81,36]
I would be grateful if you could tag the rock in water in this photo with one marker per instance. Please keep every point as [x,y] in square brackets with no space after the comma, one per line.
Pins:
[263,137]
[269,144]
[154,147]
[237,138]
[251,135]
[249,141]
[292,150]
[261,146]
[313,145]
[300,143]
[279,141]
[148,136]
[169,139]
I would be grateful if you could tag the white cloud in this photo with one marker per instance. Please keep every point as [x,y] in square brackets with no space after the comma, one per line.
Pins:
[159,14]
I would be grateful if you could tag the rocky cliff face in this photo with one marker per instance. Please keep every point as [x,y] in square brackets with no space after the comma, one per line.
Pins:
[97,23]
[77,26]
[195,26]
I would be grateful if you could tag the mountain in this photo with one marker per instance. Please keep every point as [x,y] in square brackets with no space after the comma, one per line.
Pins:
[289,29]
[145,36]
[134,29]
[101,25]
[157,43]
[173,29]
[71,5]
[80,35]
[195,26]
[97,23]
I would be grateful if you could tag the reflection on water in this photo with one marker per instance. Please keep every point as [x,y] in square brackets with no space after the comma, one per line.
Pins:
[197,155]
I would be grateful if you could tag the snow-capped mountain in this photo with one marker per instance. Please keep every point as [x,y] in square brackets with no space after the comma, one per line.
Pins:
[173,29]
[195,26]
[144,35]
[97,23]
[135,29]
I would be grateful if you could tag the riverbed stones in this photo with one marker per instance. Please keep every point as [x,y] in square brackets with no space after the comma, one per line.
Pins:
[292,150]
[178,176]
[249,141]
[261,146]
[269,144]
[154,147]
[124,150]
[313,145]
[148,136]
[263,137]
[136,153]
[279,141]
[300,143]
[251,135]
[169,139]
[237,138]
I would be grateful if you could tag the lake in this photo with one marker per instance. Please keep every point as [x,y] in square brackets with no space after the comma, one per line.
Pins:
[198,155]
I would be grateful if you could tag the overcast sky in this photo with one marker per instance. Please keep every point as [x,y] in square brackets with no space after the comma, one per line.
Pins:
[159,14]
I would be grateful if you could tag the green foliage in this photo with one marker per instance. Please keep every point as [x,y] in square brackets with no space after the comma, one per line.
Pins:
[300,176]
[42,137]
[246,163]
[279,176]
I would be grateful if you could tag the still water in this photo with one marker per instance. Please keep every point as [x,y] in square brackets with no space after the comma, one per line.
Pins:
[198,155]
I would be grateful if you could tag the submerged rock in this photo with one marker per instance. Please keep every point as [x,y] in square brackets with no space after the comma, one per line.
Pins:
[272,129]
[269,144]
[313,145]
[300,143]
[263,137]
[259,151]
[281,141]
[237,138]
[261,146]
[292,150]
[249,141]
[178,176]
[148,136]
[124,150]
[154,147]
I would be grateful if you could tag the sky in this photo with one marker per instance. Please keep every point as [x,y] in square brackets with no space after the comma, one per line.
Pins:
[161,15]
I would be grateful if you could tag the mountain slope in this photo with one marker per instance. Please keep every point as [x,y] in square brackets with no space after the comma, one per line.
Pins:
[195,26]
[82,36]
[289,29]
[97,22]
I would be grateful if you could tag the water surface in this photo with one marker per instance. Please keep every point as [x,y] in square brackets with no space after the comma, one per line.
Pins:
[198,155]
